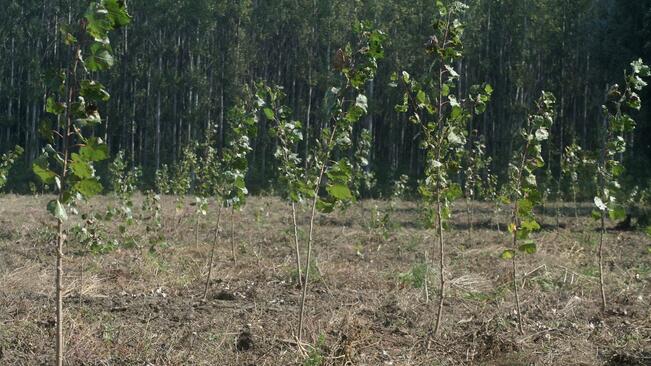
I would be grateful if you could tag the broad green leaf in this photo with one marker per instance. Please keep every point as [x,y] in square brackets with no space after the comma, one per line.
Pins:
[530,225]
[445,90]
[93,90]
[88,187]
[81,168]
[43,172]
[57,210]
[94,150]
[617,213]
[421,97]
[525,207]
[340,192]
[512,227]
[507,254]
[117,12]
[269,113]
[54,107]
[528,247]
[325,206]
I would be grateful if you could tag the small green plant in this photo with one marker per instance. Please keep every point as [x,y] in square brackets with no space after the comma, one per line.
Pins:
[75,101]
[211,185]
[475,162]
[162,180]
[293,185]
[151,217]
[315,356]
[442,117]
[572,161]
[93,236]
[524,194]
[124,182]
[617,123]
[235,165]
[7,161]
[417,276]
[182,179]
[364,180]
[489,191]
[226,175]
[343,111]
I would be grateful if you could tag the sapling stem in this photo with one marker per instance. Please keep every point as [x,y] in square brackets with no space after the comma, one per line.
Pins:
[439,315]
[602,232]
[310,235]
[298,251]
[212,252]
[196,230]
[515,289]
[234,257]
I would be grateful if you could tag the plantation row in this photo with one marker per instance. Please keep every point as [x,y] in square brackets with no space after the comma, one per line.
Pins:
[335,172]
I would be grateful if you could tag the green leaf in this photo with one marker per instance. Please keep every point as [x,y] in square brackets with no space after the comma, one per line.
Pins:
[100,57]
[94,150]
[421,97]
[617,213]
[54,107]
[88,187]
[43,172]
[117,13]
[528,247]
[80,168]
[269,113]
[445,90]
[525,207]
[325,206]
[93,90]
[340,192]
[507,254]
[530,225]
[595,214]
[57,210]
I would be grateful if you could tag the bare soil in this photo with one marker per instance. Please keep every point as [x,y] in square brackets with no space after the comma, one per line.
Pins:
[367,305]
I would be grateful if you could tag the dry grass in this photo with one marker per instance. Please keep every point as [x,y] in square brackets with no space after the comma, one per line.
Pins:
[136,306]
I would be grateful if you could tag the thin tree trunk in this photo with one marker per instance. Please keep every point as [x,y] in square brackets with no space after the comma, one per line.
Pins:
[233,234]
[310,236]
[59,292]
[298,251]
[196,228]
[212,252]
[515,288]
[439,315]
[601,262]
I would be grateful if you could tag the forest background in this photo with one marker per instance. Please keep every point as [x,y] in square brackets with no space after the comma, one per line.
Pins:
[181,65]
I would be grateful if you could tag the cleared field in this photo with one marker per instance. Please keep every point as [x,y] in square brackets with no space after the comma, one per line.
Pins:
[367,304]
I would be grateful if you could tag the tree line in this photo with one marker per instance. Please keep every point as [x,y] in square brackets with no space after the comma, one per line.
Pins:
[180,66]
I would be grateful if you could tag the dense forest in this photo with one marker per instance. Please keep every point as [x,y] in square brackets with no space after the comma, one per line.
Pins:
[181,64]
